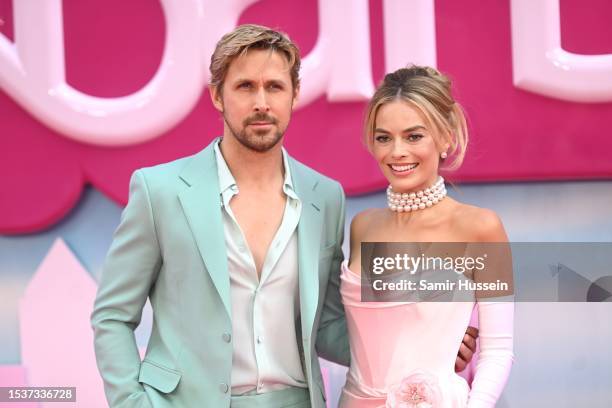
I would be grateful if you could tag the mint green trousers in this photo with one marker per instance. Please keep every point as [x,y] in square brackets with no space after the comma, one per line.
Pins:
[288,398]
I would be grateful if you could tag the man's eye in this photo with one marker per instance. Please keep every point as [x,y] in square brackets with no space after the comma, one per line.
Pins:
[381,138]
[244,85]
[275,87]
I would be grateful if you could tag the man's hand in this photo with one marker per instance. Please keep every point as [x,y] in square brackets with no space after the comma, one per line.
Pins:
[467,349]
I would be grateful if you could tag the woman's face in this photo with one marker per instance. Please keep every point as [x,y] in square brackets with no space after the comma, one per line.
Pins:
[404,147]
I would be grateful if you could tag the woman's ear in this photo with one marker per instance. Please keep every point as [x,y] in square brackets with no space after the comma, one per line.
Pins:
[446,146]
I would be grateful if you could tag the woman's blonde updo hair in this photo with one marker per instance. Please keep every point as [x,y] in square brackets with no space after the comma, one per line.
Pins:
[429,91]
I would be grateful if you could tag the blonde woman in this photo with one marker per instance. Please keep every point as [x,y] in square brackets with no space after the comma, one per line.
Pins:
[403,354]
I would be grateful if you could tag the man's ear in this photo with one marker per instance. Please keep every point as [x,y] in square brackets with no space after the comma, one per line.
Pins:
[296,94]
[216,97]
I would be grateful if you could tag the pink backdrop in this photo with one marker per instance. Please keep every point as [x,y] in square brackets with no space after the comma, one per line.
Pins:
[113,48]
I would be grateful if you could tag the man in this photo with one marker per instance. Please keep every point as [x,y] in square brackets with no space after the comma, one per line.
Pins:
[238,249]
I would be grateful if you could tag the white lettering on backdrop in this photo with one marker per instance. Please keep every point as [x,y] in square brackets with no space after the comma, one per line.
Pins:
[32,70]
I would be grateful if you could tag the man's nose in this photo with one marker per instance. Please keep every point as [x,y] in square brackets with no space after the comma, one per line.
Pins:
[261,101]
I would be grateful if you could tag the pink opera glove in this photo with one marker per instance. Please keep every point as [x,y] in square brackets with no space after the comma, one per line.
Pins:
[417,390]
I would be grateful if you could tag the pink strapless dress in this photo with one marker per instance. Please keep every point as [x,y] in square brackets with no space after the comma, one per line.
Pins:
[392,341]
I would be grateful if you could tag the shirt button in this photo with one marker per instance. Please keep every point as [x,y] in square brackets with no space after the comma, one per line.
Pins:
[227,337]
[224,388]
[259,339]
[234,188]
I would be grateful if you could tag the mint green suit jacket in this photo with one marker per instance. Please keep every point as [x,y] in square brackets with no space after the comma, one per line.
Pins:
[170,247]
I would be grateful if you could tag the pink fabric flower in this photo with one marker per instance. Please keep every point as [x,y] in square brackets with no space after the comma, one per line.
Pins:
[419,389]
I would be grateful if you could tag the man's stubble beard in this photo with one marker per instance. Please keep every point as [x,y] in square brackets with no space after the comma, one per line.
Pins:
[254,141]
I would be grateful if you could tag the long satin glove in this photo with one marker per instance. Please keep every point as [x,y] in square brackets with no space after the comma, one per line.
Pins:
[496,321]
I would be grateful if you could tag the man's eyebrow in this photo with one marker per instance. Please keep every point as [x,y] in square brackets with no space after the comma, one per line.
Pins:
[278,82]
[269,81]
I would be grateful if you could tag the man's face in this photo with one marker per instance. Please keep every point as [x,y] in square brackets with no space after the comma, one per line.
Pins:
[256,99]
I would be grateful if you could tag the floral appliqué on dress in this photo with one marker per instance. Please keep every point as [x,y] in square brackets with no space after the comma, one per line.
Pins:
[417,390]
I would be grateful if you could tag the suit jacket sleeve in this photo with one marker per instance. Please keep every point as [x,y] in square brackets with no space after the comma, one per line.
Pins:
[332,338]
[130,270]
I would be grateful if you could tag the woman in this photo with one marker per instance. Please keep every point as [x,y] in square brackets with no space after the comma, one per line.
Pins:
[403,354]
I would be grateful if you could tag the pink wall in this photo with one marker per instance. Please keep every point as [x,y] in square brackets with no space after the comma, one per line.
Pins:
[114,47]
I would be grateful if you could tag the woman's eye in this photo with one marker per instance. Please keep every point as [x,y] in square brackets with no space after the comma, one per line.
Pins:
[381,138]
[414,137]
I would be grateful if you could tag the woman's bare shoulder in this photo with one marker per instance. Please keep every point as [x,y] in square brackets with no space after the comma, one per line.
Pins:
[364,219]
[479,224]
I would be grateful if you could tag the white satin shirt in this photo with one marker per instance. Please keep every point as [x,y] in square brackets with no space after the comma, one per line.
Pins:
[265,311]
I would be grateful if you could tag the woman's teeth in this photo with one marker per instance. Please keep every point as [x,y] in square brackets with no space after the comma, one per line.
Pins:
[407,167]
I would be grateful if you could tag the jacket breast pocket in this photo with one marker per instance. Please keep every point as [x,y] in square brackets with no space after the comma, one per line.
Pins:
[161,378]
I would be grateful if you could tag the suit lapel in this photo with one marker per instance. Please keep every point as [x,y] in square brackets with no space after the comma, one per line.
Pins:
[201,204]
[200,200]
[309,241]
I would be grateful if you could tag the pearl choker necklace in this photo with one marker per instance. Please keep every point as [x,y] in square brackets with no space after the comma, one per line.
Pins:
[419,200]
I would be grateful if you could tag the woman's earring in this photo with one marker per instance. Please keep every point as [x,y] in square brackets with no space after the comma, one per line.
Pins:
[443,155]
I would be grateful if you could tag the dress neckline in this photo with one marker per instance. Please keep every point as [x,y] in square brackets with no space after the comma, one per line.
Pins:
[348,270]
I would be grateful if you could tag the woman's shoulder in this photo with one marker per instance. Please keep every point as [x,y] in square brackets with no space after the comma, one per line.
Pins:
[479,224]
[362,220]
[366,216]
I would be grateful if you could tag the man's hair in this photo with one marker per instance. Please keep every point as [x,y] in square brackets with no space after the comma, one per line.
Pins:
[252,37]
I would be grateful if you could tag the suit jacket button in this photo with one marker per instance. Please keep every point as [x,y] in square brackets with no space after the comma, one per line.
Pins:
[224,388]
[227,337]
